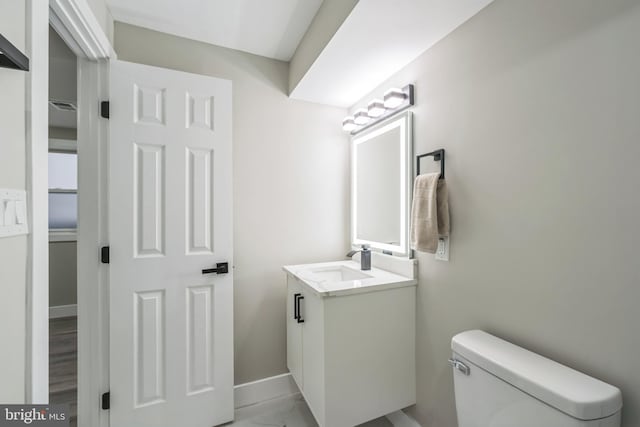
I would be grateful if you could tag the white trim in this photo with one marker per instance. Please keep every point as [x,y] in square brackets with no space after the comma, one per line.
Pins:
[76,24]
[74,18]
[74,21]
[59,311]
[93,295]
[401,419]
[66,145]
[37,129]
[63,235]
[265,389]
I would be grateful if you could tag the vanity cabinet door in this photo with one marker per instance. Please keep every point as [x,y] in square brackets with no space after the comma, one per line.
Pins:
[294,331]
[313,351]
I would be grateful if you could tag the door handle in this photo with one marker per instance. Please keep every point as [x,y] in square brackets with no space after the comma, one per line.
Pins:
[300,319]
[221,268]
[296,316]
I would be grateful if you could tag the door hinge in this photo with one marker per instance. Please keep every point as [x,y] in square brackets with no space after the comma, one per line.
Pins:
[104,254]
[104,109]
[106,401]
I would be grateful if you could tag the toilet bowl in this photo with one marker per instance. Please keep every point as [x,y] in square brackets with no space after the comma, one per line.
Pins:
[498,384]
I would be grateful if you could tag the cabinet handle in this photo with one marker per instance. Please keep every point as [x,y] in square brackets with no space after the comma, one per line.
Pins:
[296,316]
[300,319]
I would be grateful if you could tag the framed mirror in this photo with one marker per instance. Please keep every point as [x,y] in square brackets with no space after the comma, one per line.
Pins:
[381,181]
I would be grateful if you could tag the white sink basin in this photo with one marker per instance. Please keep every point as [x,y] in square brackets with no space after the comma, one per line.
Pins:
[338,273]
[345,277]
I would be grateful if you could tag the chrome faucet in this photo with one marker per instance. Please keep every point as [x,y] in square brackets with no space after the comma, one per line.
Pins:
[365,257]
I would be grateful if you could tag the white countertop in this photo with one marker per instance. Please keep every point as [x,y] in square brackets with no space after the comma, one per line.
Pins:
[379,279]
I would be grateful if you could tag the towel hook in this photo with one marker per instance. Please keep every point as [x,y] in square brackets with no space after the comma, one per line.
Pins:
[438,156]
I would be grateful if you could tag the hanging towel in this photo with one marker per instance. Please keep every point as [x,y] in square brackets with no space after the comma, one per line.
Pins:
[429,212]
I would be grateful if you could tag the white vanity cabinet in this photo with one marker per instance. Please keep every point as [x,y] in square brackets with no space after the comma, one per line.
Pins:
[352,354]
[294,331]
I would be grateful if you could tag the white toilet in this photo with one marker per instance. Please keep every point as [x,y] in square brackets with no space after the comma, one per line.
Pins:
[498,384]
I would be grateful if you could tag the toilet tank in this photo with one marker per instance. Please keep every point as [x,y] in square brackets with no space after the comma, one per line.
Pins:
[498,384]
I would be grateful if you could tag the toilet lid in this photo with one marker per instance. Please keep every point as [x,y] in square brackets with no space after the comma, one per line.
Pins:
[572,392]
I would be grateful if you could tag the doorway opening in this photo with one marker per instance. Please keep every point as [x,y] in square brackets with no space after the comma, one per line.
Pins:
[63,225]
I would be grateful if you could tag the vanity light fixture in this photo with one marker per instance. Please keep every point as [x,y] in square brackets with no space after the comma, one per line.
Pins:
[348,125]
[362,117]
[376,108]
[395,100]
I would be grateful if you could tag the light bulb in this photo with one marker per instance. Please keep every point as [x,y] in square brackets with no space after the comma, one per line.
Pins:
[394,97]
[376,108]
[361,117]
[348,124]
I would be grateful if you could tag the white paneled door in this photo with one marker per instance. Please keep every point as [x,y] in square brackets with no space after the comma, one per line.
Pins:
[170,213]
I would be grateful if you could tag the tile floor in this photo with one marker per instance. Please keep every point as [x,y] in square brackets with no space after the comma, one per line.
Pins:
[289,411]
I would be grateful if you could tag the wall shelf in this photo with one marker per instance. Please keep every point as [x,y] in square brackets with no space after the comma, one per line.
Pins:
[11,57]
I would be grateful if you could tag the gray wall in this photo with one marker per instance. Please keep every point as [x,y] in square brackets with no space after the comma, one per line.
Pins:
[62,125]
[13,250]
[103,16]
[63,82]
[63,268]
[290,184]
[62,133]
[537,104]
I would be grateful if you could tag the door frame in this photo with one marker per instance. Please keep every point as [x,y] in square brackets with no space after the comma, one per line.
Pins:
[37,283]
[93,279]
[74,21]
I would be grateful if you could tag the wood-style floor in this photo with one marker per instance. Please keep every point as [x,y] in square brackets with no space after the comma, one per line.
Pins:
[63,364]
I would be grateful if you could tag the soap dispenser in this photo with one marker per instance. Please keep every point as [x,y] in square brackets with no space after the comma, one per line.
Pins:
[365,257]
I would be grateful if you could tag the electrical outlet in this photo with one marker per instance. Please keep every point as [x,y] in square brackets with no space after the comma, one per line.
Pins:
[442,252]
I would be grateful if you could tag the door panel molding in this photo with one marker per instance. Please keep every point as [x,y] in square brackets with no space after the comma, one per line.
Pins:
[170,218]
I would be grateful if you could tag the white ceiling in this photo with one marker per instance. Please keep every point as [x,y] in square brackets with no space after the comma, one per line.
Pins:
[377,39]
[271,28]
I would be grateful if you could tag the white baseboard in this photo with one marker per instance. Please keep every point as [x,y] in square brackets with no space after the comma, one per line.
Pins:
[401,419]
[265,389]
[58,311]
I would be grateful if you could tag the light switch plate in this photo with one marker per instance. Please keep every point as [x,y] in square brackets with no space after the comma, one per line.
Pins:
[442,252]
[13,213]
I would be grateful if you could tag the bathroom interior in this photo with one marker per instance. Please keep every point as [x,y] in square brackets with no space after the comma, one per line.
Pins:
[425,214]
